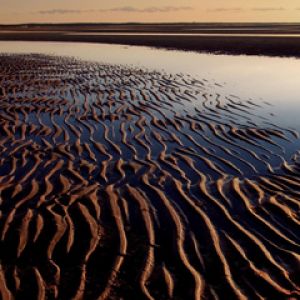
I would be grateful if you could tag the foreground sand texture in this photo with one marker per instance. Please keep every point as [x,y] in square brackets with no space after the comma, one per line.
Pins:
[123,183]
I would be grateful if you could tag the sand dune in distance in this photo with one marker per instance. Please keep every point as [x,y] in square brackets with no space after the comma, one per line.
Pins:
[123,183]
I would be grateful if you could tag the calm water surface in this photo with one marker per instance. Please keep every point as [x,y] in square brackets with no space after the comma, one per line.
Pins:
[263,79]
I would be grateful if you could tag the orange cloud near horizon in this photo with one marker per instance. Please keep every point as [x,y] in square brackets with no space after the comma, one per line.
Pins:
[33,11]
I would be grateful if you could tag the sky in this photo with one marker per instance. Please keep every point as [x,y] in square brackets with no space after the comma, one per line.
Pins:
[28,11]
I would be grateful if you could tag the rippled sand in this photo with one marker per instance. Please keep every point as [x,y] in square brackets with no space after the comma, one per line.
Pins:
[123,183]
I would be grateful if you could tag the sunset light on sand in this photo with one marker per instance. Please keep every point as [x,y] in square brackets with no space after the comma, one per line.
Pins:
[149,150]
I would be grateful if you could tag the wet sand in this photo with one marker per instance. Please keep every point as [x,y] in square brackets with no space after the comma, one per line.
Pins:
[251,39]
[122,183]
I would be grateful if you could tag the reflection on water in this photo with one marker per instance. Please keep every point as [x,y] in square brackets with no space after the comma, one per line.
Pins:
[123,183]
[274,80]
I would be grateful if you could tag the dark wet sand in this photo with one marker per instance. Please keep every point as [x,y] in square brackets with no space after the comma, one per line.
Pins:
[121,183]
[251,45]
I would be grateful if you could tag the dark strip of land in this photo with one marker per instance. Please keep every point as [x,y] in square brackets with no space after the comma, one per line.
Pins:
[279,43]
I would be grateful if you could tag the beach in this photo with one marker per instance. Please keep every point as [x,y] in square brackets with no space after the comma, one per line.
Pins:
[250,39]
[124,182]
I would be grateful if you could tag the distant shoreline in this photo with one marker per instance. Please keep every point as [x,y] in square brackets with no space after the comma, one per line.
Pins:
[238,39]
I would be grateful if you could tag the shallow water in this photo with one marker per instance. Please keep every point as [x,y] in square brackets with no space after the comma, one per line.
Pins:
[146,176]
[271,79]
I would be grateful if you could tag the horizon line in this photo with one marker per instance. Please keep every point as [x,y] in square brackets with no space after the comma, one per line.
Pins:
[144,23]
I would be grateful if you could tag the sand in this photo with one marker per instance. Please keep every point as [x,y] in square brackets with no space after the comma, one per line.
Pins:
[250,39]
[123,183]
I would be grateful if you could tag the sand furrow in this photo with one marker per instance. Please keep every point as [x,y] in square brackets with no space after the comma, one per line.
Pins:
[118,182]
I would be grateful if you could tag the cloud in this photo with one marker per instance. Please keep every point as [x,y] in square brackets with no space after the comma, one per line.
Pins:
[59,11]
[239,9]
[152,9]
[268,9]
[225,9]
[128,9]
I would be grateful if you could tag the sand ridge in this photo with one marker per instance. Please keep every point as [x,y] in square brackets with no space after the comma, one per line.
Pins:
[119,182]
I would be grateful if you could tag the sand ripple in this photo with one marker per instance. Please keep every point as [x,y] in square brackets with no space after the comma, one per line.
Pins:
[122,183]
